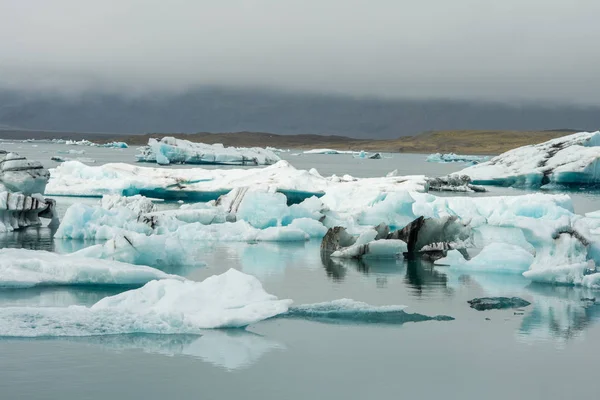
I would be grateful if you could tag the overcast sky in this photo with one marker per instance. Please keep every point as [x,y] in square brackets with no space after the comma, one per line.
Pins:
[490,49]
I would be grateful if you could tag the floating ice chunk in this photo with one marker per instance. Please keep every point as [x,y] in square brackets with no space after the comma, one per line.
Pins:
[232,299]
[497,303]
[496,257]
[384,248]
[83,142]
[330,151]
[83,222]
[17,174]
[20,268]
[170,150]
[356,312]
[451,157]
[115,145]
[569,160]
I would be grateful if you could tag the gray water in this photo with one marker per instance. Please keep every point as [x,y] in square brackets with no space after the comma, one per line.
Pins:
[548,352]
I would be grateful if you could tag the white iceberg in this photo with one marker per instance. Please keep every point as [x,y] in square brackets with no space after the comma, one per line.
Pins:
[83,142]
[330,151]
[230,300]
[572,160]
[201,185]
[21,268]
[169,150]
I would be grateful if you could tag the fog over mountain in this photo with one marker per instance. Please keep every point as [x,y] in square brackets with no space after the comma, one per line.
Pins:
[362,68]
[228,110]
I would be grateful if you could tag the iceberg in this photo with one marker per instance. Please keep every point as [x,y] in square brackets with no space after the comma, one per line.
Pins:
[169,150]
[230,300]
[21,268]
[451,157]
[330,151]
[115,145]
[497,303]
[572,160]
[21,185]
[202,185]
[135,220]
[83,142]
[17,174]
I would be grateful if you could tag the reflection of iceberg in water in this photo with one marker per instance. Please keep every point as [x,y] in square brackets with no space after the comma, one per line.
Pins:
[559,313]
[421,277]
[230,349]
[263,259]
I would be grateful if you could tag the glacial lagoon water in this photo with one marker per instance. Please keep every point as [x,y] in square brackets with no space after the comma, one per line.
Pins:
[547,351]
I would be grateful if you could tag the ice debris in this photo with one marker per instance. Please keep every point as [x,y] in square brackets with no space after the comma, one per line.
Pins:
[572,160]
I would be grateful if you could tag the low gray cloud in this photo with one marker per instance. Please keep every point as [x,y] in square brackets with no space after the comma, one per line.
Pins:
[473,49]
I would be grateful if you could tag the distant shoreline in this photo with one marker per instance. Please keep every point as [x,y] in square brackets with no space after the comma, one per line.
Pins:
[482,142]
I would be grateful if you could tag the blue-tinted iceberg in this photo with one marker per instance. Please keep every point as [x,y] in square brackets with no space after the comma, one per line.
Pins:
[169,150]
[115,145]
[572,160]
[21,268]
[451,157]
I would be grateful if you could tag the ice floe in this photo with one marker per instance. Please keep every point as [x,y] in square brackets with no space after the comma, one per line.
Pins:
[169,150]
[572,160]
[21,268]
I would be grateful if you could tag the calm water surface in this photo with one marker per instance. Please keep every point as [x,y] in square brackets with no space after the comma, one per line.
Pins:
[548,352]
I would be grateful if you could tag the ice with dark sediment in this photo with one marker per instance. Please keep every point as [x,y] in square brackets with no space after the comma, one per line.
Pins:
[572,160]
[22,184]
